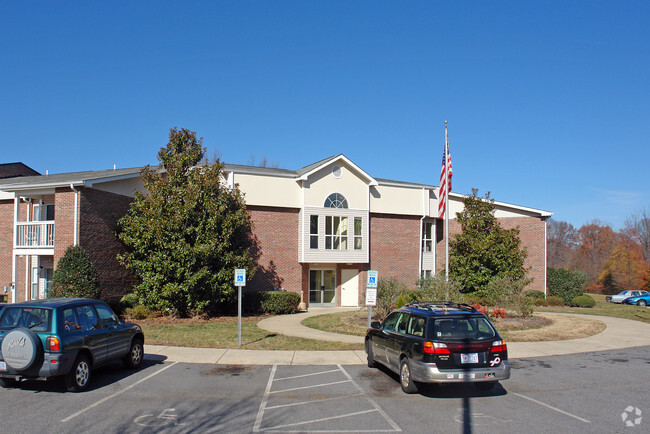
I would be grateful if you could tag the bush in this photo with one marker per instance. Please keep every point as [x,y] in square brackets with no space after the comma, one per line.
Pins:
[566,284]
[583,301]
[271,302]
[480,308]
[140,312]
[388,293]
[435,288]
[75,275]
[549,301]
[498,313]
[535,294]
[129,300]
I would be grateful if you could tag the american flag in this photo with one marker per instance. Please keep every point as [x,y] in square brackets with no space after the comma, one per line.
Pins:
[444,179]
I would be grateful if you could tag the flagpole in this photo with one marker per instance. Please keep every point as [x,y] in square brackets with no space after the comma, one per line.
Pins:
[446,211]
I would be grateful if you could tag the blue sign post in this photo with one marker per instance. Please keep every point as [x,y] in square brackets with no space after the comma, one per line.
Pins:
[240,280]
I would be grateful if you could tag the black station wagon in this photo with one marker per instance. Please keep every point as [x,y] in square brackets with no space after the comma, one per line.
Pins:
[439,342]
[64,337]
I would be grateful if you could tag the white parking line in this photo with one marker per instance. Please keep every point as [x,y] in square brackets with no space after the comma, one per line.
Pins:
[297,425]
[103,400]
[551,407]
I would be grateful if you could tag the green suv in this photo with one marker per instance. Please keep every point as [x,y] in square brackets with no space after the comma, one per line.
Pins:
[64,337]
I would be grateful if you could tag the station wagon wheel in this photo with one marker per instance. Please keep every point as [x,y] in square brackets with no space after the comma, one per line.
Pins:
[78,378]
[133,358]
[405,379]
[371,354]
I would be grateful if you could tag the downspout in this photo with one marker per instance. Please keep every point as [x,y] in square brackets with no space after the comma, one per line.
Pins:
[545,259]
[421,248]
[76,216]
[14,264]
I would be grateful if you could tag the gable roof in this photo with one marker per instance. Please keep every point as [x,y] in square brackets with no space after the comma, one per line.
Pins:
[306,171]
[13,170]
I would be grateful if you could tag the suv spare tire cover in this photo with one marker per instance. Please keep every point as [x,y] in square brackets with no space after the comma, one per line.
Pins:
[21,348]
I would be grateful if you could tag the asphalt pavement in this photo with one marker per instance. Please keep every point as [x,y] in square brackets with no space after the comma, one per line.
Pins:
[619,333]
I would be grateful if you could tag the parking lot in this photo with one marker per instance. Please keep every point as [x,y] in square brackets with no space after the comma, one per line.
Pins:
[596,392]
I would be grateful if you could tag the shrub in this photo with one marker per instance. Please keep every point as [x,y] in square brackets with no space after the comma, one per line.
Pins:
[388,293]
[583,301]
[129,300]
[480,308]
[564,283]
[435,288]
[498,313]
[75,275]
[555,301]
[271,302]
[140,312]
[535,294]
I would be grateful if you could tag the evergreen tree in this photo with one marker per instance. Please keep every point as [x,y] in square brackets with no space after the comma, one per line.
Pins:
[188,234]
[75,275]
[484,250]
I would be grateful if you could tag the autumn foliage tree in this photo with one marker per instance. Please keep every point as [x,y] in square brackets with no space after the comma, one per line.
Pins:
[625,269]
[186,236]
[595,244]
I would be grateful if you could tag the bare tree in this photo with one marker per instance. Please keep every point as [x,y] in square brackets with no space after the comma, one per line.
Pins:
[561,241]
[637,228]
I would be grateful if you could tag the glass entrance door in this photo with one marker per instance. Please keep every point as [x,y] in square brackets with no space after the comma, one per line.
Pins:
[322,287]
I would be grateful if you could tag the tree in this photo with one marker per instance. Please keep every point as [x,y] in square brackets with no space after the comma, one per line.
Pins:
[188,234]
[637,228]
[595,245]
[484,250]
[75,275]
[625,268]
[561,240]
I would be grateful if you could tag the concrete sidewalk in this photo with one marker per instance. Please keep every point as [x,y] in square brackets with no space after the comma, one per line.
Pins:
[619,333]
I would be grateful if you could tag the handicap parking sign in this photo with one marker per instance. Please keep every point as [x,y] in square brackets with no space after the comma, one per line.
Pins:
[240,277]
[372,279]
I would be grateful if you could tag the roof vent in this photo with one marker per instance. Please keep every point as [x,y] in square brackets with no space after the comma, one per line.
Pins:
[337,172]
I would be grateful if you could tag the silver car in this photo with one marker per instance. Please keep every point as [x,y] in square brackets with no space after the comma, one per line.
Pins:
[618,298]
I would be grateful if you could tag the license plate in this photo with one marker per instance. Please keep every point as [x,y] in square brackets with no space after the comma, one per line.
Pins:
[469,358]
[3,366]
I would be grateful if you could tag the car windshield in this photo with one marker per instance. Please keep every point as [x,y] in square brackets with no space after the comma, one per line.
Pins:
[37,319]
[459,329]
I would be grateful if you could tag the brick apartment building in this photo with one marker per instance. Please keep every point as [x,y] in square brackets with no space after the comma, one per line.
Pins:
[318,229]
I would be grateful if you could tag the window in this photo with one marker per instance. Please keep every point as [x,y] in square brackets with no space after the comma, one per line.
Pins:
[358,233]
[416,326]
[87,317]
[313,232]
[427,237]
[49,212]
[336,200]
[389,322]
[402,323]
[107,316]
[336,233]
[70,321]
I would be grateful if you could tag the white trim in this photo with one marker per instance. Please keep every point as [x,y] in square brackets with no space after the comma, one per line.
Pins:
[306,175]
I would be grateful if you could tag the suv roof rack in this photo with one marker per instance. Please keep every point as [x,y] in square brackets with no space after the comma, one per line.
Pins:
[442,305]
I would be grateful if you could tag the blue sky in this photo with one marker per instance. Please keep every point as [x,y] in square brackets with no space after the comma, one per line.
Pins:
[548,103]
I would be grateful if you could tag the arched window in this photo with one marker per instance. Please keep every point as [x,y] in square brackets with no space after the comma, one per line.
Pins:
[336,200]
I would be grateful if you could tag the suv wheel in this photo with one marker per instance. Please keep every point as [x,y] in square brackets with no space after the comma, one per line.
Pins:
[405,380]
[78,378]
[8,382]
[133,358]
[371,354]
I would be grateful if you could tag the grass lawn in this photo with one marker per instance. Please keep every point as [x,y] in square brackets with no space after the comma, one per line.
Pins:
[222,333]
[603,308]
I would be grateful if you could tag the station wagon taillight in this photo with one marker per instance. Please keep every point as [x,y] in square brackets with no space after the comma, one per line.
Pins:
[499,347]
[435,348]
[52,343]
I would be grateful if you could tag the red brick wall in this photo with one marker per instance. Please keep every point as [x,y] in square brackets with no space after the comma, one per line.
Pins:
[532,235]
[6,250]
[276,233]
[64,202]
[394,247]
[99,214]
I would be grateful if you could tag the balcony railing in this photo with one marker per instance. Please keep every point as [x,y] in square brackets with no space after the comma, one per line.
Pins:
[35,234]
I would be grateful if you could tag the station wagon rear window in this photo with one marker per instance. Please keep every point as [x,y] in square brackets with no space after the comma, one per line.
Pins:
[34,318]
[458,329]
